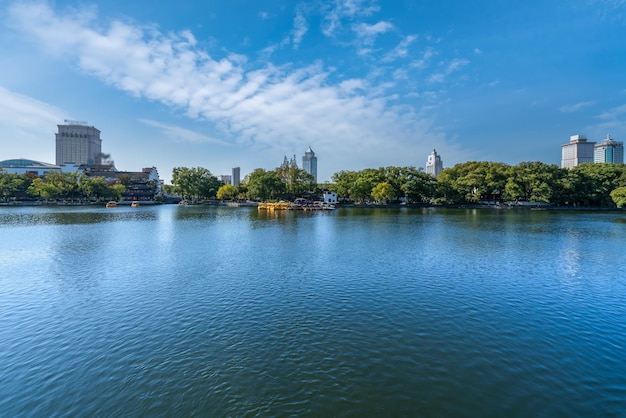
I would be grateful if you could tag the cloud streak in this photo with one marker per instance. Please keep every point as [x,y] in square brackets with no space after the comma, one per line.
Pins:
[181,134]
[574,107]
[276,106]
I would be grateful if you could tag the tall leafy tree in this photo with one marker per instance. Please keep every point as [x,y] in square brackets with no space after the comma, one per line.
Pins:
[296,180]
[10,183]
[382,192]
[227,192]
[194,183]
[263,185]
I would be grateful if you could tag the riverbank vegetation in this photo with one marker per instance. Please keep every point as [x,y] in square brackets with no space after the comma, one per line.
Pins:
[474,182]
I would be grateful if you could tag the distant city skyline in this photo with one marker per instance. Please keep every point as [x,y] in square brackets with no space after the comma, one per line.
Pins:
[366,83]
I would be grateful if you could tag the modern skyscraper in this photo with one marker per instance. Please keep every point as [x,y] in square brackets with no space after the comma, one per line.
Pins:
[609,151]
[309,163]
[434,165]
[578,151]
[77,143]
[235,177]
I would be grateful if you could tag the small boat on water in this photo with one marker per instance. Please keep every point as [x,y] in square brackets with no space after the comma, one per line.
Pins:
[111,204]
[135,204]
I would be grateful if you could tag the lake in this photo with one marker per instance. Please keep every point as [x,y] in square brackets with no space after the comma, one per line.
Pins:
[215,311]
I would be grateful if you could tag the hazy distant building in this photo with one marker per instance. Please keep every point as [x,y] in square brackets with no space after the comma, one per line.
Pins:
[226,179]
[578,151]
[236,176]
[309,163]
[609,151]
[434,165]
[77,143]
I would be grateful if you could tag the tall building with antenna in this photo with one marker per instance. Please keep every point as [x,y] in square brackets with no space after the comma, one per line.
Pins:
[309,163]
[77,143]
[434,165]
[609,151]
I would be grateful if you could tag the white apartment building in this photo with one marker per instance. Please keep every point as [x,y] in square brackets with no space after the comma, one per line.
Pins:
[577,151]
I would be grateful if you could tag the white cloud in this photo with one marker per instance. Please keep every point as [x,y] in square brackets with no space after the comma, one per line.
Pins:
[279,107]
[574,107]
[614,113]
[612,121]
[28,122]
[181,134]
[452,67]
[346,10]
[425,60]
[300,28]
[401,50]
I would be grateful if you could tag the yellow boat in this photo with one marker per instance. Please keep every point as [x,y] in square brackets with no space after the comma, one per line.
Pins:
[135,204]
[111,204]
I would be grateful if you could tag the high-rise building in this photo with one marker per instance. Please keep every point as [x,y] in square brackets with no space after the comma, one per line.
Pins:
[77,143]
[235,177]
[609,151]
[434,165]
[309,163]
[578,151]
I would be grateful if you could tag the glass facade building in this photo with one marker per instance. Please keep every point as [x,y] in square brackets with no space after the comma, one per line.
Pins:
[609,151]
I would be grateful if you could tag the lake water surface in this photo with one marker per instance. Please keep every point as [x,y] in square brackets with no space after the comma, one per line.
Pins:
[210,311]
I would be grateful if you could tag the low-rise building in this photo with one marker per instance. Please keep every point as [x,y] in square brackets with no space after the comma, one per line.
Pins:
[22,166]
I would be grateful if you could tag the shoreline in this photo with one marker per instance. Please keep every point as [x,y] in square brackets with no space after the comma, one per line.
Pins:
[339,206]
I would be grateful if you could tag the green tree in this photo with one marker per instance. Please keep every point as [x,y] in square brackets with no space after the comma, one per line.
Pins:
[227,192]
[10,183]
[44,190]
[343,184]
[591,184]
[419,186]
[619,196]
[296,180]
[93,187]
[532,182]
[114,192]
[262,184]
[194,183]
[382,192]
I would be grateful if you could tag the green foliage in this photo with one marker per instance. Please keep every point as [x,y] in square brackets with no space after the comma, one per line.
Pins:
[55,185]
[194,183]
[10,183]
[382,192]
[114,192]
[93,187]
[262,184]
[619,196]
[472,182]
[479,181]
[532,182]
[227,192]
[296,180]
[591,184]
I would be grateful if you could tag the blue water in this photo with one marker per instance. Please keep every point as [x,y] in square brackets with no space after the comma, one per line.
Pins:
[208,311]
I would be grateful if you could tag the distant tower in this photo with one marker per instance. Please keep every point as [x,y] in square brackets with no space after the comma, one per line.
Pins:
[609,151]
[235,177]
[434,165]
[77,143]
[309,163]
[578,151]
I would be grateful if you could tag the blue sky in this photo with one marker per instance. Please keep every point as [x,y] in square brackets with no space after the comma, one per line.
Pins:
[365,83]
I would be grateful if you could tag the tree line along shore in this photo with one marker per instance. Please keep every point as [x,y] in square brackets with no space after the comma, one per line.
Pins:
[469,183]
